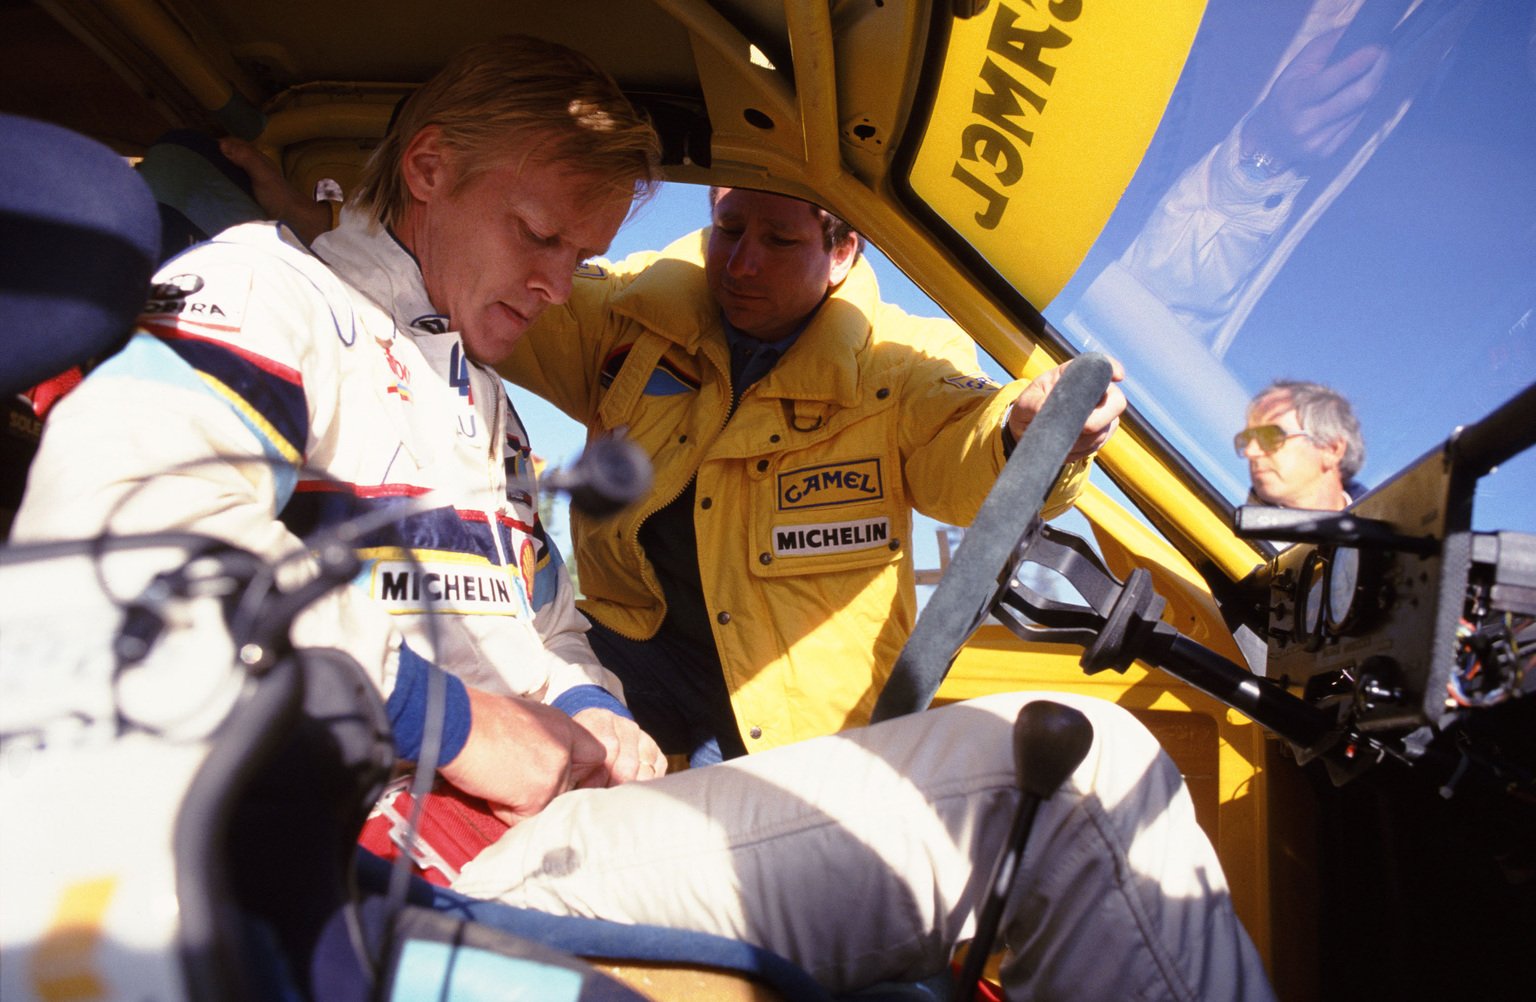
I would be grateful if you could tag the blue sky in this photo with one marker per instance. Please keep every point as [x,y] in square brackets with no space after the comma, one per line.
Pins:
[1403,275]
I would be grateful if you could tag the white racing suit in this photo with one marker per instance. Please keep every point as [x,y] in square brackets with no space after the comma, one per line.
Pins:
[347,383]
[860,856]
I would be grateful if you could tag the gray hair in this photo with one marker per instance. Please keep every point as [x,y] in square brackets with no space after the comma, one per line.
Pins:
[1325,416]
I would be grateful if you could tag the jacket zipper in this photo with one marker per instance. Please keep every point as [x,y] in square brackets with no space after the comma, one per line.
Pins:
[647,574]
[497,469]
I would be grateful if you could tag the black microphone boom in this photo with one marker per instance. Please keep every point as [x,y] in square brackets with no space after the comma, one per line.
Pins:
[610,475]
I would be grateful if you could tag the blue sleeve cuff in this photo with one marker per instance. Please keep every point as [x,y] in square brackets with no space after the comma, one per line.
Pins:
[407,709]
[583,697]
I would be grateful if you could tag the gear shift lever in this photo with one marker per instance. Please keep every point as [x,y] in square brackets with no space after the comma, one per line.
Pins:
[1049,741]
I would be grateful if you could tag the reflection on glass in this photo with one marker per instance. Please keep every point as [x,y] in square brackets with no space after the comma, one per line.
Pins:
[1342,192]
[1310,595]
[1343,581]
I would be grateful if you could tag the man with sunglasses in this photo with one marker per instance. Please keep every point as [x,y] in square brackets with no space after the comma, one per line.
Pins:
[1303,447]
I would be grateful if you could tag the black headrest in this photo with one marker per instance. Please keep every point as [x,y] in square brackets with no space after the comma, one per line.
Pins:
[79,235]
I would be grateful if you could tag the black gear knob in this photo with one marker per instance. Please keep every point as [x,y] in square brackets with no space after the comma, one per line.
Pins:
[1049,741]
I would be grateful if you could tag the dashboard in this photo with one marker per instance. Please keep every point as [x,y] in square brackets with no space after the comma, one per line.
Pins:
[1393,614]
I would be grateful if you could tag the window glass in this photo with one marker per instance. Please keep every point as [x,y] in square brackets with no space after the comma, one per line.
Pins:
[1340,192]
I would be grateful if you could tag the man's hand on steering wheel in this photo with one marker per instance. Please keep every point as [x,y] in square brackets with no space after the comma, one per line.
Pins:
[1083,410]
[1101,423]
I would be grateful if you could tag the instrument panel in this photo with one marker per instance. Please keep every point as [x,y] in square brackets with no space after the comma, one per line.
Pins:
[1394,614]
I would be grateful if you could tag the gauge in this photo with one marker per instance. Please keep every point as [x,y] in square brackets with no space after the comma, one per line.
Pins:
[1343,588]
[1355,582]
[1311,595]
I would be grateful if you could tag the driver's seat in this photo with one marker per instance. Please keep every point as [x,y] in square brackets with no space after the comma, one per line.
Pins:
[79,237]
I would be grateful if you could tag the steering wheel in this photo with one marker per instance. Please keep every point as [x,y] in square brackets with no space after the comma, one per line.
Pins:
[992,549]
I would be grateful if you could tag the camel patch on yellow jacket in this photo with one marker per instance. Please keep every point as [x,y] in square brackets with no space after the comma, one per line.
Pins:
[831,484]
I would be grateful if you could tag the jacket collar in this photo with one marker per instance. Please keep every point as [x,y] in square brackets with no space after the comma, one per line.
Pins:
[369,257]
[670,298]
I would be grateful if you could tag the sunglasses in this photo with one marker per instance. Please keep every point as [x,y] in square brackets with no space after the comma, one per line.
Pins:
[1269,436]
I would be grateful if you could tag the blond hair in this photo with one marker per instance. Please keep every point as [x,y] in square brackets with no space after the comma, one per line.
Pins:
[501,102]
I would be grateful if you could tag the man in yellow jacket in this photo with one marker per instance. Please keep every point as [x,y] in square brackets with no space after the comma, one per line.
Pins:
[760,594]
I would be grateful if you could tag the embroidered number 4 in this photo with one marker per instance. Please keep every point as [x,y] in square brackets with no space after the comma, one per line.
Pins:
[458,374]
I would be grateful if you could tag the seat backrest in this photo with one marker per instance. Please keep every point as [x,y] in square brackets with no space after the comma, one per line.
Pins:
[199,190]
[79,238]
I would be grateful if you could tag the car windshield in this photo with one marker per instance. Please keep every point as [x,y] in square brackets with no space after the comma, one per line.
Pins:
[1337,191]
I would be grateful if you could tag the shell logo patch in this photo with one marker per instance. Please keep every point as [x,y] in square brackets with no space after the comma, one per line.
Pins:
[527,565]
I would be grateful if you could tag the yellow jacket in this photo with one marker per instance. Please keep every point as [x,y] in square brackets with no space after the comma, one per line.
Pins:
[804,498]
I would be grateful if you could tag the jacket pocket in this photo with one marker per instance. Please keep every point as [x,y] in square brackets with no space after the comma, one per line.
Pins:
[835,506]
[826,539]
